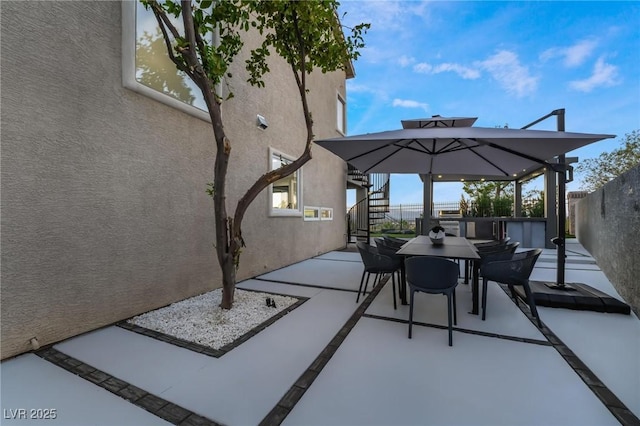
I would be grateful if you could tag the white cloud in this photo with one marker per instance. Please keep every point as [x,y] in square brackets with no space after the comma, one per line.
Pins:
[353,87]
[422,68]
[573,56]
[407,103]
[390,15]
[395,17]
[506,69]
[405,61]
[462,71]
[360,88]
[604,74]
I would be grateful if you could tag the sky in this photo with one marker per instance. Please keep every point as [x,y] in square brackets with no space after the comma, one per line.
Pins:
[507,63]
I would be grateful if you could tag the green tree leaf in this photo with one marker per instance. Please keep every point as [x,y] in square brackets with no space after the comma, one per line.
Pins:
[595,172]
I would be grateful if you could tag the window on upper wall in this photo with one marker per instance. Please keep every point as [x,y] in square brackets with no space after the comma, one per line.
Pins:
[341,123]
[286,194]
[147,68]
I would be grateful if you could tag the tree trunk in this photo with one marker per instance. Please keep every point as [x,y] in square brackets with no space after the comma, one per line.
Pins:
[228,283]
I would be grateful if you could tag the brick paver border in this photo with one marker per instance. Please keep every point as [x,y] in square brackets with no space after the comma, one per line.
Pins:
[162,408]
[277,415]
[180,416]
[620,411]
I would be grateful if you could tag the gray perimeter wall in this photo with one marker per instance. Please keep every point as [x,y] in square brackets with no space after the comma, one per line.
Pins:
[608,226]
[104,210]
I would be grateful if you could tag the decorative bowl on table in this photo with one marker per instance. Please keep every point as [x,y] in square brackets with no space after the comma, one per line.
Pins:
[436,235]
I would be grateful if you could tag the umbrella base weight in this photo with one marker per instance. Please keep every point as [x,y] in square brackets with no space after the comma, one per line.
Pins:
[583,297]
[560,287]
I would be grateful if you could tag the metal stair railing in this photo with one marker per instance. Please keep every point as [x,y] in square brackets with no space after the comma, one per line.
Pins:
[371,210]
[357,221]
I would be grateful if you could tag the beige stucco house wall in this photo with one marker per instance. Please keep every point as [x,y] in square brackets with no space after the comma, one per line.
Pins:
[104,210]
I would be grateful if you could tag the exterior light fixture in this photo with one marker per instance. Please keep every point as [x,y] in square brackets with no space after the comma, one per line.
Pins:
[261,122]
[482,180]
[439,176]
[461,180]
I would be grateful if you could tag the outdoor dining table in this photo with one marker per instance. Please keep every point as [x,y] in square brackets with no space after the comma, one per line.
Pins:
[451,248]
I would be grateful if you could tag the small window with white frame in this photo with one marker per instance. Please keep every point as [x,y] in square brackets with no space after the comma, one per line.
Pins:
[326,213]
[341,115]
[285,194]
[311,213]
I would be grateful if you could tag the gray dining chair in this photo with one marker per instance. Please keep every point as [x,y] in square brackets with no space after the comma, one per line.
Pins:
[513,271]
[492,243]
[433,275]
[394,242]
[495,252]
[377,264]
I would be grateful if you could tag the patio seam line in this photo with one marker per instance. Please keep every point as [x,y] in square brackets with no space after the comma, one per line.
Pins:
[295,263]
[571,269]
[617,408]
[464,330]
[338,260]
[282,409]
[306,285]
[155,405]
[206,350]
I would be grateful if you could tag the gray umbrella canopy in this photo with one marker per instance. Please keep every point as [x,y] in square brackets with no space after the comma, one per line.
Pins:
[438,121]
[449,152]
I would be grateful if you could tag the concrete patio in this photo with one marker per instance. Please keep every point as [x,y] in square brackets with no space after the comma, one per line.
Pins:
[334,362]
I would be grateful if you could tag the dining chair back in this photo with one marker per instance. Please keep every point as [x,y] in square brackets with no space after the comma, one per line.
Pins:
[492,243]
[387,249]
[512,271]
[394,242]
[501,250]
[435,276]
[498,252]
[377,264]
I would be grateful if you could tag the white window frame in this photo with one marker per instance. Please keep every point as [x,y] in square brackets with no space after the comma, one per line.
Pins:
[316,217]
[285,212]
[328,210]
[341,122]
[129,66]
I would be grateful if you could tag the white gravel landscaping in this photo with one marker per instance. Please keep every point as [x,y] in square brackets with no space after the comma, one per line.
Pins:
[201,320]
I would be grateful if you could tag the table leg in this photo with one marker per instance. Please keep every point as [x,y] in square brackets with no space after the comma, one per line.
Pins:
[475,286]
[403,285]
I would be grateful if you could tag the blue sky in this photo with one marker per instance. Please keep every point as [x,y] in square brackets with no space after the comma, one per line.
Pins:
[507,63]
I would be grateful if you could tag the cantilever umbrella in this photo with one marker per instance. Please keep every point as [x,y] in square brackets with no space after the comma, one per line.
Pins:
[453,152]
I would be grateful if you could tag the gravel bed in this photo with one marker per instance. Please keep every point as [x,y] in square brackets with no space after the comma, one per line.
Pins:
[201,320]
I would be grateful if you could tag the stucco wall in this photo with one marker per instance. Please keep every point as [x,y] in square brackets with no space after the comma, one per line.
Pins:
[104,209]
[608,226]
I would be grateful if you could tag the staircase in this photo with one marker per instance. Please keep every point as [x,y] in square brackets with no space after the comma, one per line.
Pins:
[371,210]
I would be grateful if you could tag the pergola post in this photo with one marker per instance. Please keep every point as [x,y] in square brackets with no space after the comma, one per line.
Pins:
[517,199]
[427,202]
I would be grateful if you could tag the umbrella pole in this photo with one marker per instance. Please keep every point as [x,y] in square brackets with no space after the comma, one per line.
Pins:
[560,240]
[427,200]
[562,211]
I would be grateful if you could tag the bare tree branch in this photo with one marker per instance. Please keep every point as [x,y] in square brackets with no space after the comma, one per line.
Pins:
[165,23]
